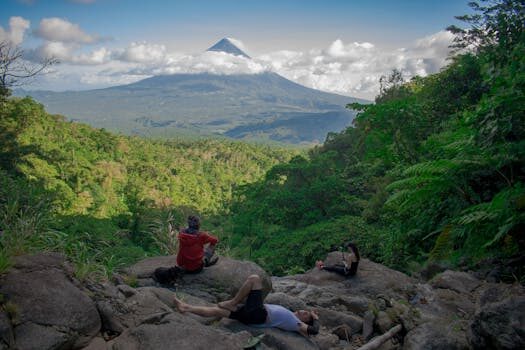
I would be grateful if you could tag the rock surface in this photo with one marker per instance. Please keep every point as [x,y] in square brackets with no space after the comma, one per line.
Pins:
[215,283]
[46,304]
[454,310]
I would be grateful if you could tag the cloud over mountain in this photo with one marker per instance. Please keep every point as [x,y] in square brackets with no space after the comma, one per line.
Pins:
[350,68]
[355,68]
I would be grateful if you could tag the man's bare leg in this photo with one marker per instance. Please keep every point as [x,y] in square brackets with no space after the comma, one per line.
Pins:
[253,282]
[205,311]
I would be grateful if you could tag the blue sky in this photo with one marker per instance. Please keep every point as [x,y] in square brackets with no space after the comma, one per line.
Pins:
[272,32]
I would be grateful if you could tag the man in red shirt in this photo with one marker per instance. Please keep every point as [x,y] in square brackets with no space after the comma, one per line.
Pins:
[192,256]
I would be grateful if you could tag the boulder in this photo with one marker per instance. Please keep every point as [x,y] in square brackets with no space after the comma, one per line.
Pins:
[146,267]
[496,292]
[273,338]
[110,323]
[326,341]
[436,335]
[7,339]
[227,276]
[383,322]
[286,300]
[32,336]
[51,311]
[499,325]
[132,311]
[368,325]
[330,319]
[431,269]
[371,279]
[221,280]
[176,331]
[343,332]
[460,282]
[126,290]
[97,343]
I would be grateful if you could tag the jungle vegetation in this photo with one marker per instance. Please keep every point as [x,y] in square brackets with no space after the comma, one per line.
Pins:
[433,171]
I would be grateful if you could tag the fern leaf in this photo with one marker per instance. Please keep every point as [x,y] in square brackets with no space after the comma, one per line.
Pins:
[443,245]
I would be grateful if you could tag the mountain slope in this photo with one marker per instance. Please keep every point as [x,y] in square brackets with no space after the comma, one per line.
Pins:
[205,104]
[226,45]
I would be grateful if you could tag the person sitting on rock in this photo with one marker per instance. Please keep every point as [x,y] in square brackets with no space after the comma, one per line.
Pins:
[348,265]
[254,312]
[196,248]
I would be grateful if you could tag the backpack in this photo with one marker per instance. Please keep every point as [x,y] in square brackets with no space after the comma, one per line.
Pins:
[167,275]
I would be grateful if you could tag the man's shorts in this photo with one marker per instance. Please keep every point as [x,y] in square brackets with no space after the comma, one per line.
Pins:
[253,312]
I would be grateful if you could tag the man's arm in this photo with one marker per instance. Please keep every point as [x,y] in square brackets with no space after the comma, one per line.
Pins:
[312,329]
[208,238]
[308,330]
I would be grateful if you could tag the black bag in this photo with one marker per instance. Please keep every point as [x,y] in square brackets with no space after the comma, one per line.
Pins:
[167,275]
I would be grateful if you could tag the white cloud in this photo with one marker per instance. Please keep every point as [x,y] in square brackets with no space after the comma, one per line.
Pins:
[354,69]
[66,54]
[95,57]
[60,30]
[143,53]
[16,32]
[238,43]
[51,49]
[351,68]
[213,62]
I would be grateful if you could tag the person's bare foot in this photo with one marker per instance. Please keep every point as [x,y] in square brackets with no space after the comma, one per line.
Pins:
[180,305]
[228,305]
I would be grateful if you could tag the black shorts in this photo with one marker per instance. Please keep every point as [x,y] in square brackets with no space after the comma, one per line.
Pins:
[253,312]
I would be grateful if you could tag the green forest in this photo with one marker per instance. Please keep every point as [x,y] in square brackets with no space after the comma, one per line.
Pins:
[432,171]
[108,200]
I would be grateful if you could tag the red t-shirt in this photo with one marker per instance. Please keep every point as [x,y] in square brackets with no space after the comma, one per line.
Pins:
[191,249]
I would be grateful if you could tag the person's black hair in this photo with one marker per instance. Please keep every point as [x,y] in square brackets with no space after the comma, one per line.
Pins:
[354,249]
[194,222]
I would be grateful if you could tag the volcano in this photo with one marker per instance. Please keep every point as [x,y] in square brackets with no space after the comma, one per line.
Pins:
[264,106]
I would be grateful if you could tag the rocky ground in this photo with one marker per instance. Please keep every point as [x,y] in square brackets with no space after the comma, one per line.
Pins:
[42,306]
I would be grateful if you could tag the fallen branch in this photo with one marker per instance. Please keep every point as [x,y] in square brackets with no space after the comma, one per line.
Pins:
[377,341]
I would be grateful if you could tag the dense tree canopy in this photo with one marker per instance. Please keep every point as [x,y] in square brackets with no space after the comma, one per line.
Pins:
[434,170]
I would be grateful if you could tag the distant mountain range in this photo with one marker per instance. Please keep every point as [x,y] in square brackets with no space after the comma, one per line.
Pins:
[262,106]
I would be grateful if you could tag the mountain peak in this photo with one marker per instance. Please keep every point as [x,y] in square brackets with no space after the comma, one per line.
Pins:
[227,45]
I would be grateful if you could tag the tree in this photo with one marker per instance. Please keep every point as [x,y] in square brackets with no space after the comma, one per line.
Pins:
[495,28]
[391,87]
[15,70]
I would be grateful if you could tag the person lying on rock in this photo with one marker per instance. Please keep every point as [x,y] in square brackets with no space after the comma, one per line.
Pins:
[254,312]
[349,262]
[196,248]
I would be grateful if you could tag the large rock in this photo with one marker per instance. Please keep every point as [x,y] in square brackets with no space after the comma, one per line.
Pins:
[50,309]
[330,319]
[228,275]
[286,300]
[146,267]
[499,325]
[97,344]
[436,336]
[371,279]
[177,332]
[221,280]
[32,336]
[460,282]
[7,339]
[273,338]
